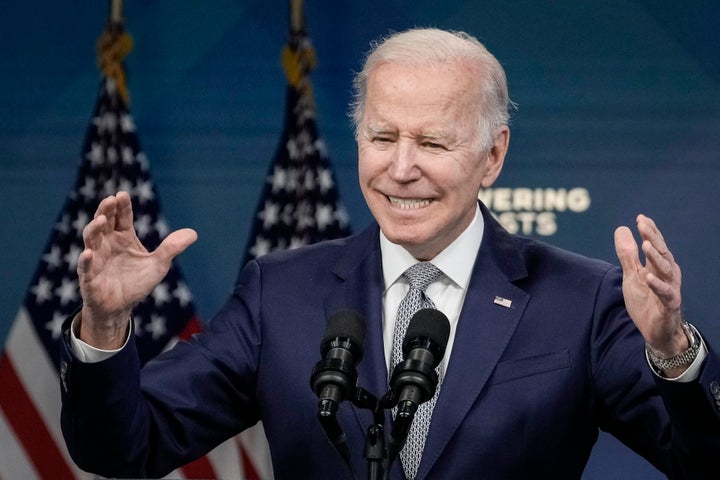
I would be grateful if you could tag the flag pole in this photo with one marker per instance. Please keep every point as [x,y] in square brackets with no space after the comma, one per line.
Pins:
[297,18]
[116,12]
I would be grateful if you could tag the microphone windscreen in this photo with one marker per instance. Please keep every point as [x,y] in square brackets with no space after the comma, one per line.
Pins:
[429,323]
[346,324]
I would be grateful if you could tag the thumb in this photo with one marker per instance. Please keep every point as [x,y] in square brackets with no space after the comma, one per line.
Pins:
[626,249]
[176,243]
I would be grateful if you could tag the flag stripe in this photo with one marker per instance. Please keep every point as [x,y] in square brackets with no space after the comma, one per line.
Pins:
[200,468]
[29,426]
[13,461]
[39,381]
[225,460]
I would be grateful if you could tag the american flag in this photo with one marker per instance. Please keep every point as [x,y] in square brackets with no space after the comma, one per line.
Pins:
[111,160]
[300,204]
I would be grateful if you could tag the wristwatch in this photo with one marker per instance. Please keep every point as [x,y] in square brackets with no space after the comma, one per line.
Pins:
[682,360]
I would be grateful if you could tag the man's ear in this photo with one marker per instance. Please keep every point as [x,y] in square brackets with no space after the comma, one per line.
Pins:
[496,157]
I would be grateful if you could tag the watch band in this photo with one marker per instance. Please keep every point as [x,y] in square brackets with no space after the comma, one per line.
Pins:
[682,360]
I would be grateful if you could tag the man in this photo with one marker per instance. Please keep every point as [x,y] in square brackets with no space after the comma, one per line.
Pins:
[545,346]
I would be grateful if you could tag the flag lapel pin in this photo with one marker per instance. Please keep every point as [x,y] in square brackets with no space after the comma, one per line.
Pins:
[503,302]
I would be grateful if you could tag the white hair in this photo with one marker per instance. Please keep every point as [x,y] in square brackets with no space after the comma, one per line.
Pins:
[423,46]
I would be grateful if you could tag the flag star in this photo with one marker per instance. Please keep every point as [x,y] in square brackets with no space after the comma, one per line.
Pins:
[297,242]
[182,293]
[127,155]
[156,326]
[96,155]
[270,214]
[299,145]
[55,325]
[88,189]
[112,155]
[53,258]
[43,290]
[127,124]
[324,216]
[162,227]
[108,122]
[63,226]
[143,226]
[80,222]
[110,86]
[143,161]
[291,181]
[305,216]
[125,185]
[144,191]
[109,187]
[325,180]
[278,179]
[321,148]
[293,148]
[261,247]
[71,258]
[67,291]
[160,294]
[309,183]
[288,214]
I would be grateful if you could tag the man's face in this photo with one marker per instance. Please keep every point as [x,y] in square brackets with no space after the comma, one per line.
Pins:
[421,164]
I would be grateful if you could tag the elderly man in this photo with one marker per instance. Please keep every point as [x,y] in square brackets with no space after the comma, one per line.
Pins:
[545,346]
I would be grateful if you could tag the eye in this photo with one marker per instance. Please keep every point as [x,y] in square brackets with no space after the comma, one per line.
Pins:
[433,145]
[383,139]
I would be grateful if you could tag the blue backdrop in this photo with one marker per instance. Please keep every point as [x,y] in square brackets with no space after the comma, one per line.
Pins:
[619,105]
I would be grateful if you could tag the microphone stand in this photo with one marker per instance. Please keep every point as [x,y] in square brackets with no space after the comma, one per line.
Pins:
[374,450]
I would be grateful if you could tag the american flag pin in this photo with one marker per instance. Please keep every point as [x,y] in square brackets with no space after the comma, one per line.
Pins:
[503,302]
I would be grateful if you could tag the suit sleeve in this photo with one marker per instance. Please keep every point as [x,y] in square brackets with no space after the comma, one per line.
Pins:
[119,420]
[675,426]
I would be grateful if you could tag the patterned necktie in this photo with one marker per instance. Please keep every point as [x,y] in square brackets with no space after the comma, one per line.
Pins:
[420,276]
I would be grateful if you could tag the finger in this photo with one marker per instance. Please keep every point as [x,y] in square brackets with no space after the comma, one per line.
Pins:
[84,263]
[124,211]
[94,231]
[175,243]
[669,296]
[650,232]
[661,264]
[627,250]
[106,207]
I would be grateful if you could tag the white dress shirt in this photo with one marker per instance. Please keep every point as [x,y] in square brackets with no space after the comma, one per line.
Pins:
[447,293]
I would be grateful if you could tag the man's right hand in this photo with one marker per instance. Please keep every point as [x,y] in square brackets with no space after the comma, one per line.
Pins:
[116,271]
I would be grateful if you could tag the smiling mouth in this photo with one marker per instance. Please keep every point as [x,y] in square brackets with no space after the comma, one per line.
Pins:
[409,203]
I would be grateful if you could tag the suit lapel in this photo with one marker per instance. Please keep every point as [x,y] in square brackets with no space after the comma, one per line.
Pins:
[361,288]
[491,312]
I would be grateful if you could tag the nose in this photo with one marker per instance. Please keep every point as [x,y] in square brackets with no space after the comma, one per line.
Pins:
[403,162]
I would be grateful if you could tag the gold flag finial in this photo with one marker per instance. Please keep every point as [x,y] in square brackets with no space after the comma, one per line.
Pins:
[112,48]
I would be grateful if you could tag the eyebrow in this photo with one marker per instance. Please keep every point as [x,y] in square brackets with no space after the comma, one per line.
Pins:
[387,130]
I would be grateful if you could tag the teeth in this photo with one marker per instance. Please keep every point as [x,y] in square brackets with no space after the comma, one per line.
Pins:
[409,202]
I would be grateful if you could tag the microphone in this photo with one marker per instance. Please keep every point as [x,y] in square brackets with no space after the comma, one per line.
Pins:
[414,380]
[334,377]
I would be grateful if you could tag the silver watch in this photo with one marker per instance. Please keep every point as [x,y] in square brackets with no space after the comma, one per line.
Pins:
[681,360]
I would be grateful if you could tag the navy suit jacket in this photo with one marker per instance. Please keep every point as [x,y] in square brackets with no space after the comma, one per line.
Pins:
[526,390]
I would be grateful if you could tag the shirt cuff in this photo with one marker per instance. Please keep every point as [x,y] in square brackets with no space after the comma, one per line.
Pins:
[693,371]
[86,352]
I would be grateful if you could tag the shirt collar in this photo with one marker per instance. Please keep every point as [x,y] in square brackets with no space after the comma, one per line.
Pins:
[456,260]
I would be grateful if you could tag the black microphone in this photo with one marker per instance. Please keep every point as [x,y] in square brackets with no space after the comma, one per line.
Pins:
[334,377]
[414,380]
